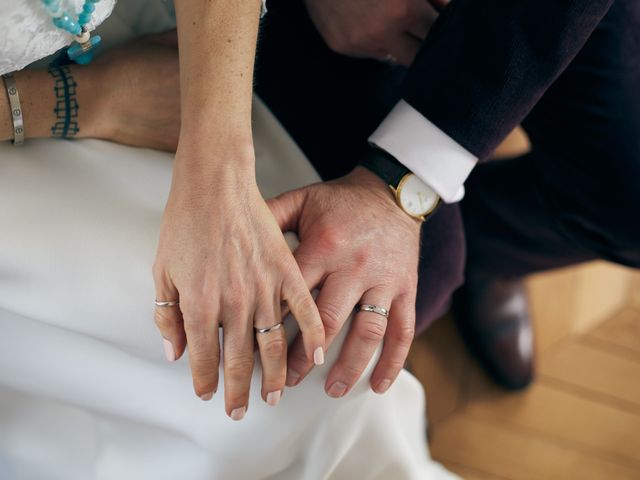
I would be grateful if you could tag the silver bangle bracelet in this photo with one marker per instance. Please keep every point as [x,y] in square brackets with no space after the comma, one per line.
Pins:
[16,109]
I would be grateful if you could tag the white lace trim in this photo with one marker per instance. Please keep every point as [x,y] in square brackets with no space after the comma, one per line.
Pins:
[29,35]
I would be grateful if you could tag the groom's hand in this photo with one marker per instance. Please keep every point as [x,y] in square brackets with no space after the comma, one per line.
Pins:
[356,246]
[390,30]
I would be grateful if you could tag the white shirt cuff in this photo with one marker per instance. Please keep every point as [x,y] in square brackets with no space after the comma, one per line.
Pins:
[427,151]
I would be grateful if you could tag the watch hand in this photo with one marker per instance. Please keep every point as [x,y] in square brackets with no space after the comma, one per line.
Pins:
[420,197]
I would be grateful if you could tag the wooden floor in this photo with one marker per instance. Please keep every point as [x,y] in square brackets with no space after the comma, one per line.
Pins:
[581,417]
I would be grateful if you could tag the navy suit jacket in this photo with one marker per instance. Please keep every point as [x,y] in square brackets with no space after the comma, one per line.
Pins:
[486,63]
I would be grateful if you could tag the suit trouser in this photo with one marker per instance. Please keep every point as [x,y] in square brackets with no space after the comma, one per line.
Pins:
[575,197]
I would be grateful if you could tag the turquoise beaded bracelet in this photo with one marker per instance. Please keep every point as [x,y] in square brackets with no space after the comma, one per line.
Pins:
[82,51]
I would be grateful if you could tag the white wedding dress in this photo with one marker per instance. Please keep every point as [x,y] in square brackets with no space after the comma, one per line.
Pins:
[85,391]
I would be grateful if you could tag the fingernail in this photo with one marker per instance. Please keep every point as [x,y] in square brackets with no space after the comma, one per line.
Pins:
[273,398]
[207,396]
[337,389]
[293,378]
[383,386]
[318,356]
[169,352]
[238,413]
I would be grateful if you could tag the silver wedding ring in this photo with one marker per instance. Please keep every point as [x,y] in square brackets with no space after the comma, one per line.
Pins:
[269,329]
[167,304]
[363,307]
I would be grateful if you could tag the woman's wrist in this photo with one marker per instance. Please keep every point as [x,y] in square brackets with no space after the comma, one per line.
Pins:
[216,154]
[43,104]
[217,132]
[207,189]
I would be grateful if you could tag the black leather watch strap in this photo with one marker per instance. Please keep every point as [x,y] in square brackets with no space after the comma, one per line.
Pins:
[384,165]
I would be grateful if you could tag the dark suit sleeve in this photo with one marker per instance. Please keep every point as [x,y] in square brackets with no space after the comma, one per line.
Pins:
[486,63]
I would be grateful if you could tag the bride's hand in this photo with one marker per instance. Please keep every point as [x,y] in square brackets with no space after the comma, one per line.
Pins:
[223,255]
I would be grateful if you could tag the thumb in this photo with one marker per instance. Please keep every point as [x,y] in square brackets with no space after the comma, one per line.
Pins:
[287,209]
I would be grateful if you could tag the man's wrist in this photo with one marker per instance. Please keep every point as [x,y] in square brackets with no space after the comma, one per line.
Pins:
[413,196]
[364,177]
[372,180]
[384,165]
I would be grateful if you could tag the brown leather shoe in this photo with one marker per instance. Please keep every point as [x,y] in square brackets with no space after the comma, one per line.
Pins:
[493,318]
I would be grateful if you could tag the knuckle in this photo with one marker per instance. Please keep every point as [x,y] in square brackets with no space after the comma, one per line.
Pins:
[398,10]
[317,330]
[199,330]
[330,239]
[304,304]
[362,258]
[331,319]
[159,269]
[163,320]
[189,306]
[238,369]
[202,339]
[371,331]
[197,304]
[395,365]
[275,347]
[205,359]
[235,300]
[195,329]
[204,367]
[350,372]
[404,335]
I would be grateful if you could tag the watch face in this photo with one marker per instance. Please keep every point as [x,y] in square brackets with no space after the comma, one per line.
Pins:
[416,197]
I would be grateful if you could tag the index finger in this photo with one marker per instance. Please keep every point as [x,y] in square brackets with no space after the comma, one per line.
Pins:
[304,310]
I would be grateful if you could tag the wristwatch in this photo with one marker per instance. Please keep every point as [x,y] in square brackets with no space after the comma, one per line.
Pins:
[415,197]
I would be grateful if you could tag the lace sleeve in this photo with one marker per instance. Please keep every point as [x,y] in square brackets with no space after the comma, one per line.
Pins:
[27,34]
